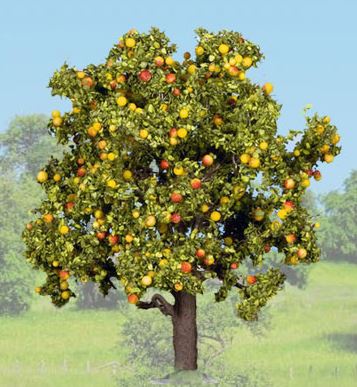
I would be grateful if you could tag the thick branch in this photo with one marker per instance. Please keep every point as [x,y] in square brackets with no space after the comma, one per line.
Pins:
[157,301]
[239,285]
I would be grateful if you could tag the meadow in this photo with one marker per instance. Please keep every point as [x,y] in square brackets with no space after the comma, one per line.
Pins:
[312,340]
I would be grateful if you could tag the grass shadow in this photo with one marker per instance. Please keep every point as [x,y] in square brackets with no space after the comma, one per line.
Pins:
[343,341]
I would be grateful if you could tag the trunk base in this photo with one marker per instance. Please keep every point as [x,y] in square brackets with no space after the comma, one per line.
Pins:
[187,378]
[185,332]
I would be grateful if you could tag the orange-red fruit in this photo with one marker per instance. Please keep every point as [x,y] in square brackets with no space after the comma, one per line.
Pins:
[170,78]
[87,82]
[289,183]
[207,160]
[159,61]
[251,279]
[175,218]
[290,238]
[164,164]
[186,267]
[81,172]
[133,298]
[200,253]
[267,248]
[176,197]
[302,253]
[196,183]
[317,175]
[69,206]
[176,91]
[101,235]
[173,132]
[113,239]
[289,204]
[113,85]
[145,75]
[63,274]
[48,218]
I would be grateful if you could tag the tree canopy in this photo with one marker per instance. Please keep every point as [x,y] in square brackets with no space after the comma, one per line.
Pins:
[175,173]
[339,225]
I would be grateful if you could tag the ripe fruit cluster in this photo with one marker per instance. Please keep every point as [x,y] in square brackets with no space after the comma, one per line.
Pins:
[160,188]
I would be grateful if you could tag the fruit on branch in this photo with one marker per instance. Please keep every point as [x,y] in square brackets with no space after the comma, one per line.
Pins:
[186,267]
[207,160]
[196,183]
[251,279]
[145,75]
[176,197]
[175,218]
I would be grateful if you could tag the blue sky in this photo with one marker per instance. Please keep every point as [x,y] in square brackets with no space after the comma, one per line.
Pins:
[310,50]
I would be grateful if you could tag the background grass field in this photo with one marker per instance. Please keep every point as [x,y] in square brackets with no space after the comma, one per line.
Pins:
[312,340]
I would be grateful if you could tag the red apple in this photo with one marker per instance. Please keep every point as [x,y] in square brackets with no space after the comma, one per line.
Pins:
[200,253]
[251,279]
[267,248]
[81,172]
[113,239]
[234,265]
[207,160]
[176,197]
[196,183]
[170,78]
[175,218]
[145,75]
[69,206]
[186,267]
[164,164]
[176,91]
[309,172]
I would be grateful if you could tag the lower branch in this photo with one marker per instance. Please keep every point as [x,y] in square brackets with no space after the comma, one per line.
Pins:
[157,301]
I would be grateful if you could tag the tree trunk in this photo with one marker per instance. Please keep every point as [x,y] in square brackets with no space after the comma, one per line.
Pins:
[185,331]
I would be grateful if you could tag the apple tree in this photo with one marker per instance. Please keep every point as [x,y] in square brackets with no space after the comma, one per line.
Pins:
[175,174]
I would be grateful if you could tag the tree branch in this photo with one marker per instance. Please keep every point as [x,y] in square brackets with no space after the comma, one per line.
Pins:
[240,286]
[211,172]
[157,301]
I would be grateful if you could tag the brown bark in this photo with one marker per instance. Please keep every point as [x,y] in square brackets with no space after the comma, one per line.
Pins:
[185,331]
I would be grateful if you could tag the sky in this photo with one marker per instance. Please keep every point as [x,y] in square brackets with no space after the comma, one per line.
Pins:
[309,47]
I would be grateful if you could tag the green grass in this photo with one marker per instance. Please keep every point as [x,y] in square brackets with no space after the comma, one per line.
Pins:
[56,347]
[313,340]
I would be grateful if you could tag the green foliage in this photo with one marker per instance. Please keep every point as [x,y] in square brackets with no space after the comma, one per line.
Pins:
[111,197]
[25,146]
[16,279]
[339,225]
[255,297]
